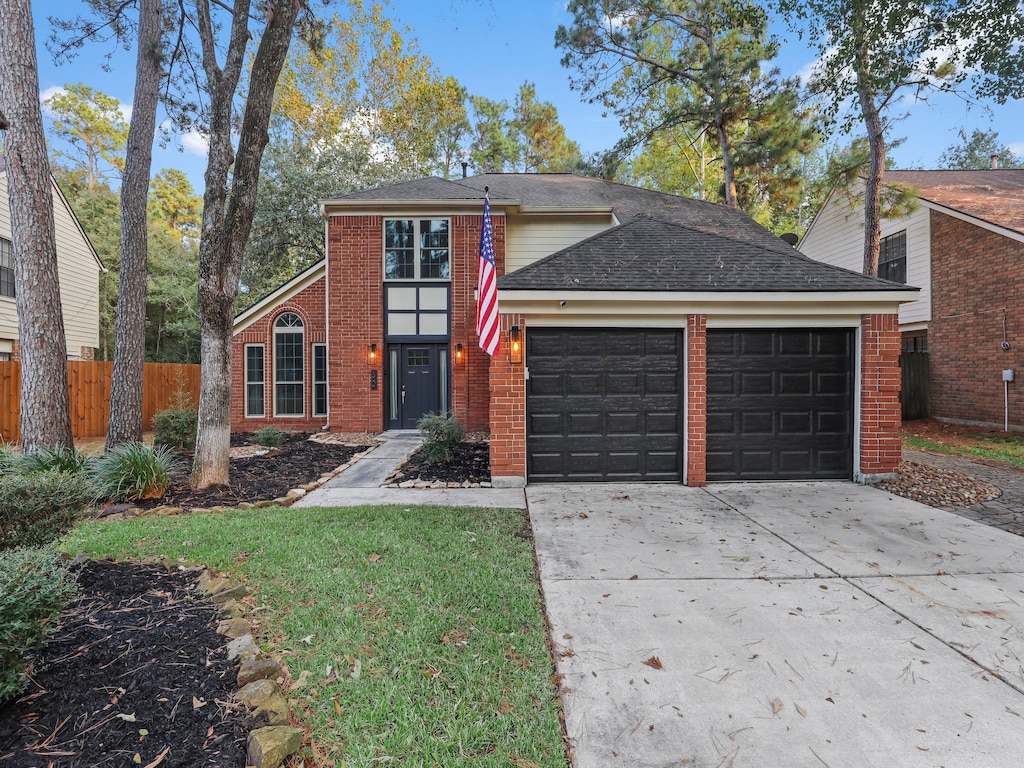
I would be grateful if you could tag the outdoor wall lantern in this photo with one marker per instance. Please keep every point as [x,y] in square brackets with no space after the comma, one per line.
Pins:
[515,345]
[371,355]
[460,356]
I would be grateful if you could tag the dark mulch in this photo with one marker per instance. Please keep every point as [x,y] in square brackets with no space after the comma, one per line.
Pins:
[134,674]
[471,462]
[296,461]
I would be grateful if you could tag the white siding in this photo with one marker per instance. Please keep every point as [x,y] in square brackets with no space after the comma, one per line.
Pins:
[836,237]
[77,270]
[529,238]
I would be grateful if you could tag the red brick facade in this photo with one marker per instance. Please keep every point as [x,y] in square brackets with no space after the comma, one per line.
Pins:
[696,400]
[977,285]
[508,408]
[309,305]
[879,395]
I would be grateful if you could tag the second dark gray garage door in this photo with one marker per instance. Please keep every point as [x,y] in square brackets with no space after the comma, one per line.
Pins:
[603,405]
[780,404]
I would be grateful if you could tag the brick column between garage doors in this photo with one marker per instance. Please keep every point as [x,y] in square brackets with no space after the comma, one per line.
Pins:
[880,449]
[508,411]
[696,400]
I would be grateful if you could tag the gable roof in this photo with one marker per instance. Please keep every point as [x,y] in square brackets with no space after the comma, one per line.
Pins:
[995,195]
[646,254]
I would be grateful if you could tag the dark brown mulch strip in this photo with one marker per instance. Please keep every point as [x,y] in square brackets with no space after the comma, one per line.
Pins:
[296,461]
[135,653]
[472,462]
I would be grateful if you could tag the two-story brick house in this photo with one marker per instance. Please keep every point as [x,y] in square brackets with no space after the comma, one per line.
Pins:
[644,336]
[964,247]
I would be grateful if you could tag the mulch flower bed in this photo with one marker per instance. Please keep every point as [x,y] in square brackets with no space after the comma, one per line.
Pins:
[297,460]
[471,463]
[135,674]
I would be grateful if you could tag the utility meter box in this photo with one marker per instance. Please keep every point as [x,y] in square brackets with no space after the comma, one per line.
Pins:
[1008,374]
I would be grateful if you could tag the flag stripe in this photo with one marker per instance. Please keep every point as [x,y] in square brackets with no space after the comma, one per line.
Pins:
[487,288]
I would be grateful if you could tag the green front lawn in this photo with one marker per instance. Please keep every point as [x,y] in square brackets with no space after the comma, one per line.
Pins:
[1008,448]
[412,635]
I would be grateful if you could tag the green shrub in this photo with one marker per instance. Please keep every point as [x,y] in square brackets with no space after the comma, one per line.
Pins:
[59,459]
[10,459]
[442,434]
[133,471]
[38,507]
[175,428]
[268,437]
[35,586]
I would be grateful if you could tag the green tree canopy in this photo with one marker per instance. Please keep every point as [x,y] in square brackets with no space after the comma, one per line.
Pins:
[94,129]
[976,151]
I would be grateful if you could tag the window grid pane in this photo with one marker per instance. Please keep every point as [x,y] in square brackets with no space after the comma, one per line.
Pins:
[288,365]
[892,257]
[399,249]
[254,405]
[434,263]
[319,379]
[6,268]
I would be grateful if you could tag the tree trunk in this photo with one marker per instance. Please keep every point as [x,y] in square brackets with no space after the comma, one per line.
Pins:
[876,145]
[728,167]
[227,223]
[45,421]
[125,424]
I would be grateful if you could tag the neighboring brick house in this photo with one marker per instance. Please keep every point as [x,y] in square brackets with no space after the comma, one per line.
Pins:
[964,247]
[78,270]
[644,336]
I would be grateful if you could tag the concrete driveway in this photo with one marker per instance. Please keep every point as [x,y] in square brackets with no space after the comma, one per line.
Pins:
[792,624]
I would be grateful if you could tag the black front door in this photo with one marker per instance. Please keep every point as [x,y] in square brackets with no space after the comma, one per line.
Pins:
[417,382]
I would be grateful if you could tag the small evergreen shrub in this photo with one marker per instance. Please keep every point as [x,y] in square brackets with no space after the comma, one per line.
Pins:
[59,459]
[10,459]
[39,507]
[442,434]
[268,437]
[35,586]
[175,428]
[133,471]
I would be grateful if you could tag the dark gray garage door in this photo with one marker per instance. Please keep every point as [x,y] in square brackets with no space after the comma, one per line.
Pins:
[780,404]
[603,405]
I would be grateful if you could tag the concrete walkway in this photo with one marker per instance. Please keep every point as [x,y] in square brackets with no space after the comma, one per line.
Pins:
[360,484]
[781,624]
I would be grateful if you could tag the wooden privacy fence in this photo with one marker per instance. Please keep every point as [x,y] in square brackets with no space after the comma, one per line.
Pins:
[914,396]
[89,394]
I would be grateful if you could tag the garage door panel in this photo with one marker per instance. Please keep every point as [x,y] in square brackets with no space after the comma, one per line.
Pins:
[619,412]
[546,384]
[791,414]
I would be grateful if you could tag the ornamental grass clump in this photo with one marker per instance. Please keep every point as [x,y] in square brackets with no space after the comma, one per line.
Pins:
[35,586]
[442,434]
[59,459]
[37,507]
[134,471]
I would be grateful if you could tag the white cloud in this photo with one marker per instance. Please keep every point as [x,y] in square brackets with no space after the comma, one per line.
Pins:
[1017,148]
[195,142]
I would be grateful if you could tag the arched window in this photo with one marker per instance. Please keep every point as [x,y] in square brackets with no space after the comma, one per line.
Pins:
[288,365]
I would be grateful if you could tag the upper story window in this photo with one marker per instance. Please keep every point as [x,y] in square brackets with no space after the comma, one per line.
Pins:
[892,257]
[6,267]
[416,249]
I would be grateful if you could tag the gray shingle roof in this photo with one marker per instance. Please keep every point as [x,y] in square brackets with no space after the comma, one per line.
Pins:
[646,254]
[995,195]
[430,188]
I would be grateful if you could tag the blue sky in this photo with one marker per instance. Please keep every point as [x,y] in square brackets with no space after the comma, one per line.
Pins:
[493,46]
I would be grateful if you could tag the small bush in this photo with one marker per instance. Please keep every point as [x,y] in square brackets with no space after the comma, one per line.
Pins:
[10,459]
[59,459]
[268,437]
[35,586]
[442,434]
[39,507]
[133,471]
[175,428]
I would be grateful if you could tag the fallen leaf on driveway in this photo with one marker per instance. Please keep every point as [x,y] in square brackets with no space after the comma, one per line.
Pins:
[801,710]
[654,663]
[634,577]
[776,706]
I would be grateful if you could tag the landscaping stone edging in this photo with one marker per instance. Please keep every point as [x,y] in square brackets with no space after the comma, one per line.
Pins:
[271,739]
[122,511]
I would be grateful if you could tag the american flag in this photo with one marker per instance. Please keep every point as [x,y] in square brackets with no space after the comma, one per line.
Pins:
[487,288]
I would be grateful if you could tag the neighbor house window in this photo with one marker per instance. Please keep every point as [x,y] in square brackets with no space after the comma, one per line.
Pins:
[416,249]
[319,379]
[288,365]
[254,405]
[6,268]
[892,257]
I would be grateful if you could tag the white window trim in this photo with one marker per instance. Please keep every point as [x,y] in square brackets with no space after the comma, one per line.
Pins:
[416,250]
[262,382]
[327,389]
[302,381]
